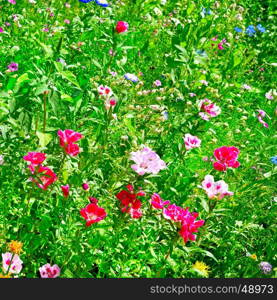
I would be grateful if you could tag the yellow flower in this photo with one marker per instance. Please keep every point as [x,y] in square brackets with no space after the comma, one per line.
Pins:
[5,276]
[253,256]
[201,268]
[15,247]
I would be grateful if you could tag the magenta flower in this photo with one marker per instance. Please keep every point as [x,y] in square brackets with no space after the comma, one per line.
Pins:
[191,141]
[36,158]
[12,262]
[48,271]
[157,83]
[12,1]
[157,202]
[1,30]
[147,161]
[13,67]
[67,139]
[85,186]
[226,158]
[190,226]
[65,190]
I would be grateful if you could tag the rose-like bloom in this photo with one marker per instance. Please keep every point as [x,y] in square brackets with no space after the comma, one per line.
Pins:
[15,247]
[67,139]
[48,271]
[157,202]
[44,176]
[129,202]
[210,109]
[93,200]
[121,26]
[191,141]
[147,161]
[265,267]
[190,226]
[261,115]
[36,158]
[131,77]
[226,158]
[13,67]
[65,190]
[85,186]
[92,213]
[175,213]
[218,189]
[105,91]
[12,262]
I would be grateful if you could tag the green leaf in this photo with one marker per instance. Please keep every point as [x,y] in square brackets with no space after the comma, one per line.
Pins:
[44,138]
[67,74]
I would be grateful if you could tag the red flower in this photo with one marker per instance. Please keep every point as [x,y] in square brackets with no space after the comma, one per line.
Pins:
[227,157]
[121,26]
[129,202]
[35,158]
[92,213]
[67,139]
[65,190]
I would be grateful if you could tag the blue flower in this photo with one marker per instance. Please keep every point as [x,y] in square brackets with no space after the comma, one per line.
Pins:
[165,115]
[261,28]
[237,29]
[250,30]
[85,1]
[206,12]
[131,77]
[274,160]
[102,3]
[201,53]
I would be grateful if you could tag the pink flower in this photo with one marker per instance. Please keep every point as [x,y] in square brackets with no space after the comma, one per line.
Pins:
[13,67]
[261,115]
[12,262]
[220,46]
[192,94]
[65,190]
[218,189]
[1,30]
[191,141]
[105,91]
[12,1]
[210,109]
[226,158]
[92,213]
[204,82]
[66,21]
[48,271]
[67,139]
[121,26]
[157,83]
[157,202]
[44,176]
[269,95]
[147,161]
[36,158]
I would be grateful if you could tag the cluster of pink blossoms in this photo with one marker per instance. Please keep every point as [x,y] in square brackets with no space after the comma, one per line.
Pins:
[184,219]
[129,202]
[215,189]
[147,161]
[48,271]
[209,109]
[43,176]
[191,141]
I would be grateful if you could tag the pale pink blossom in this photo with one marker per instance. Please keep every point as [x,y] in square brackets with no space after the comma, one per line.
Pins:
[12,262]
[261,115]
[218,189]
[48,271]
[147,161]
[191,141]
